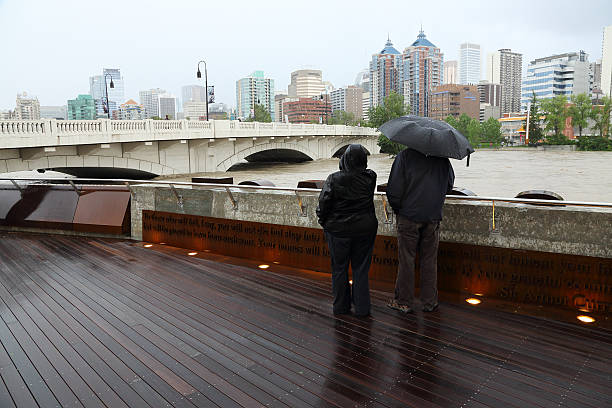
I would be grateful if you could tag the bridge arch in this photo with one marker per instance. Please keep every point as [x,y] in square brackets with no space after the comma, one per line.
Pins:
[304,153]
[339,148]
[94,166]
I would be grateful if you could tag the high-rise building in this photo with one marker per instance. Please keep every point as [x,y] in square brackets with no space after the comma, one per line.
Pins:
[349,99]
[490,100]
[279,99]
[7,115]
[454,100]
[98,89]
[385,74]
[450,72]
[255,89]
[194,110]
[306,83]
[606,62]
[150,100]
[564,74]
[489,93]
[365,105]
[82,108]
[167,106]
[307,110]
[596,92]
[53,112]
[469,63]
[26,107]
[131,110]
[422,67]
[192,93]
[363,80]
[504,67]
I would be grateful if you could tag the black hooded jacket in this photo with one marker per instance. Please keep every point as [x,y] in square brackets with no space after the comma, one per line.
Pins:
[346,202]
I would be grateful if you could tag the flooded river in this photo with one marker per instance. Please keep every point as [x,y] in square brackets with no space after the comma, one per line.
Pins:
[576,176]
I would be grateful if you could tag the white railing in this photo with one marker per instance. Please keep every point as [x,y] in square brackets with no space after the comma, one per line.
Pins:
[51,132]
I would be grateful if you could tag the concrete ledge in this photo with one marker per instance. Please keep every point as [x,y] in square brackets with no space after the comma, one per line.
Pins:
[567,230]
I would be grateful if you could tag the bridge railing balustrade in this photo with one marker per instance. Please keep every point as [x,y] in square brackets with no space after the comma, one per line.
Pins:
[23,127]
[198,124]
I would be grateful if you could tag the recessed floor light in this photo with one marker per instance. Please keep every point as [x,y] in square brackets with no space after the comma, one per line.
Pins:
[148,245]
[263,266]
[473,301]
[192,253]
[585,319]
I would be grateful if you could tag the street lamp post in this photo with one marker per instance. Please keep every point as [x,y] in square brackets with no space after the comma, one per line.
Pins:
[112,85]
[199,75]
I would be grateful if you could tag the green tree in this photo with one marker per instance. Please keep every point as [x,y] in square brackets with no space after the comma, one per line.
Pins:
[535,130]
[601,116]
[580,111]
[468,127]
[340,117]
[491,131]
[393,107]
[261,114]
[556,113]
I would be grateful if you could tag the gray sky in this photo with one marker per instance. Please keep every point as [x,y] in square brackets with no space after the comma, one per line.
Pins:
[49,48]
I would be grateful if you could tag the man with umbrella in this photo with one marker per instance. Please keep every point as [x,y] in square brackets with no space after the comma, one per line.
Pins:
[420,178]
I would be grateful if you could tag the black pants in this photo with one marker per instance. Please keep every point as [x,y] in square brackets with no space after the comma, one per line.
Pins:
[420,238]
[358,252]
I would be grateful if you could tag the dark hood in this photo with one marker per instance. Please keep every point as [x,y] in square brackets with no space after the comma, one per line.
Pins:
[355,158]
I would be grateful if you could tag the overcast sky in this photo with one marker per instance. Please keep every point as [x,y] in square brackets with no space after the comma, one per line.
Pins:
[50,48]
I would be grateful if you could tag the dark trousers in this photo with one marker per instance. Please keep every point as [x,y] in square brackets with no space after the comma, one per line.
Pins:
[412,238]
[358,252]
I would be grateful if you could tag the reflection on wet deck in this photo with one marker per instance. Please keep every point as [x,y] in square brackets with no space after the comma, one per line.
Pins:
[91,322]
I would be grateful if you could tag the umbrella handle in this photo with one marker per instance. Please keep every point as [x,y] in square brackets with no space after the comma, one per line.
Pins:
[468,159]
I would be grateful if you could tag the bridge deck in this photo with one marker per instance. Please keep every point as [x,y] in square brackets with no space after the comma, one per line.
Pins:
[91,322]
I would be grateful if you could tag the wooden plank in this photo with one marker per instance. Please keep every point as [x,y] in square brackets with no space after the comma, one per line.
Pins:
[36,385]
[145,381]
[17,392]
[176,374]
[76,351]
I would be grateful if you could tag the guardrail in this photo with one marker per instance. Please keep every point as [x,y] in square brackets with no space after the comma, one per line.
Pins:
[57,132]
[228,188]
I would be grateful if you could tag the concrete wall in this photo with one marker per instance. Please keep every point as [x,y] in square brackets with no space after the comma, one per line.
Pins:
[575,231]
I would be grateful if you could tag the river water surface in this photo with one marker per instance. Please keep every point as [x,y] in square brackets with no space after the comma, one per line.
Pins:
[576,176]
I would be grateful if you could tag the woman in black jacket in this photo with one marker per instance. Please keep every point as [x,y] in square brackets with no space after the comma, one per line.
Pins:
[346,213]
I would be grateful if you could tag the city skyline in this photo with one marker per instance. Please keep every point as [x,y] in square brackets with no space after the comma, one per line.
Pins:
[43,66]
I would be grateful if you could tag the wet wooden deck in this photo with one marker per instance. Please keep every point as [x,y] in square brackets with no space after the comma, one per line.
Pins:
[91,322]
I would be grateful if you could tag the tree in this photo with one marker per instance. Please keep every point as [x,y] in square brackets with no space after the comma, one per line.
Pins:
[261,114]
[468,127]
[556,113]
[535,131]
[393,107]
[491,131]
[340,117]
[580,111]
[601,116]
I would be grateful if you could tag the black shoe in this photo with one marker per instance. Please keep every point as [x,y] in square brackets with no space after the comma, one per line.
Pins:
[396,306]
[430,308]
[342,312]
[362,314]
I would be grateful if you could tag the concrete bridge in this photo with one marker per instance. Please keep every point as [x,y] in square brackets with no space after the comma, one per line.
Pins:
[148,148]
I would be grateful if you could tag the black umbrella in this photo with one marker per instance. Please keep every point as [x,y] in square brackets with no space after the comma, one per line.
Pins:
[428,136]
